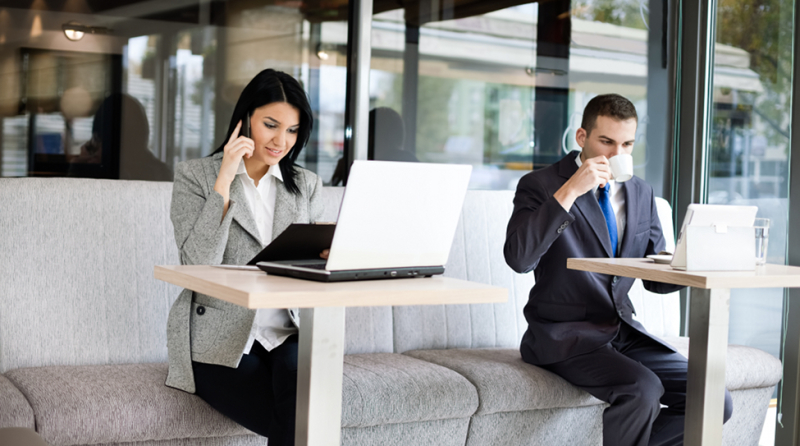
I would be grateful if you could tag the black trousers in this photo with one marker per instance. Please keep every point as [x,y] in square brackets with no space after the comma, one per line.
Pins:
[635,375]
[260,394]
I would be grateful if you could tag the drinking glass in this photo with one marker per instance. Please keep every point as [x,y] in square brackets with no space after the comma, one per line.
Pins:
[761,226]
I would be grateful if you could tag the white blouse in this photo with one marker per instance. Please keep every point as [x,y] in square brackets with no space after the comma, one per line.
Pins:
[271,326]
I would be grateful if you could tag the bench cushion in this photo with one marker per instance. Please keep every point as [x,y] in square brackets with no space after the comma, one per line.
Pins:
[388,388]
[14,408]
[129,402]
[115,404]
[745,367]
[507,384]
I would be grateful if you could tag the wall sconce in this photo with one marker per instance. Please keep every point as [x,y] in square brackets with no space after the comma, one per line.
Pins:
[531,71]
[74,31]
[321,53]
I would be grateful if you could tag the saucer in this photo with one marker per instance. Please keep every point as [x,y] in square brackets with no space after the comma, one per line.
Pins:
[660,258]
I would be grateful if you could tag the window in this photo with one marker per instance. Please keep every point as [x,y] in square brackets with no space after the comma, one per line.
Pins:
[749,147]
[120,89]
[502,85]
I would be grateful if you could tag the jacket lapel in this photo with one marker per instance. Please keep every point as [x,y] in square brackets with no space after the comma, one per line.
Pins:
[587,204]
[631,216]
[285,210]
[242,213]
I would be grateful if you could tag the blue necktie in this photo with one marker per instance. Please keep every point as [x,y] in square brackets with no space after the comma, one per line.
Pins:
[611,219]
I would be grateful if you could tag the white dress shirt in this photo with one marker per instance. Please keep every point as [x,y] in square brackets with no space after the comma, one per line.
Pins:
[271,326]
[617,196]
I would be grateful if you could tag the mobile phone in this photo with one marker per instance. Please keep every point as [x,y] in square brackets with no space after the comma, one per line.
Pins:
[246,126]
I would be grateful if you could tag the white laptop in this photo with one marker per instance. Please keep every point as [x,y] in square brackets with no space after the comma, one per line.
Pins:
[710,215]
[397,220]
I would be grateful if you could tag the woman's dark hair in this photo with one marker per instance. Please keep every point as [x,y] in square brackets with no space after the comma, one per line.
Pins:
[275,86]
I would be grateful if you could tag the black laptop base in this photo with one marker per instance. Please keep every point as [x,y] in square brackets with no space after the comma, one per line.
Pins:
[322,275]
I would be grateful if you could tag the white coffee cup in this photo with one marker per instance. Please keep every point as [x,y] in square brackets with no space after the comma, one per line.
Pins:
[621,167]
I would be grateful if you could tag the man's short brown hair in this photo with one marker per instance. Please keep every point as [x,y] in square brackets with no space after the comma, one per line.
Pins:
[611,105]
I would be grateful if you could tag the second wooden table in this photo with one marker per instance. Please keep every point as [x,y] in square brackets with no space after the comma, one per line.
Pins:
[708,328]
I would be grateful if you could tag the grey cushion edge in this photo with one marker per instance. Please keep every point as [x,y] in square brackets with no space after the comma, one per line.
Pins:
[749,415]
[15,409]
[400,423]
[365,378]
[444,432]
[745,367]
[235,440]
[62,437]
[539,427]
[586,400]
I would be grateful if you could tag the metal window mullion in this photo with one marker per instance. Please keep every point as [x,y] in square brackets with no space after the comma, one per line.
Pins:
[697,32]
[787,430]
[359,47]
[705,107]
[697,64]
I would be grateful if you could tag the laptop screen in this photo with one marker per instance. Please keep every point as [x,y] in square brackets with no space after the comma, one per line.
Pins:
[397,214]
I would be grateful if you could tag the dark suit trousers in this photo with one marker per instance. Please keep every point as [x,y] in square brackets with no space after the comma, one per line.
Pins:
[260,394]
[635,375]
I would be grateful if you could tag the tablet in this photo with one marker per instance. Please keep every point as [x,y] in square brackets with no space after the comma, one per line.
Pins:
[710,215]
[299,241]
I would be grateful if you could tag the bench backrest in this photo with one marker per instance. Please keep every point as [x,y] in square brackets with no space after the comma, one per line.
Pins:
[76,280]
[477,255]
[77,284]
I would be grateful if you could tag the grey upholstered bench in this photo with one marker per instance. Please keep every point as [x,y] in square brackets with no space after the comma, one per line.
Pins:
[83,337]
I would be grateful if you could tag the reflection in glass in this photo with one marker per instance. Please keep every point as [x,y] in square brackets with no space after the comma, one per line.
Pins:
[179,66]
[749,144]
[502,85]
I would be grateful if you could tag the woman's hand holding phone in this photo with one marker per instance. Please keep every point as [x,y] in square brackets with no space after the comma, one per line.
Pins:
[238,146]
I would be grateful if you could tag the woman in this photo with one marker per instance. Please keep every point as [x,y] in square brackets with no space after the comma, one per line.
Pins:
[225,209]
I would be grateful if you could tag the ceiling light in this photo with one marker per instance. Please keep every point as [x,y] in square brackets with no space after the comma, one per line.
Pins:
[75,31]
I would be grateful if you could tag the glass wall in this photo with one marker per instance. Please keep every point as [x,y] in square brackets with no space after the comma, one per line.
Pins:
[502,85]
[749,147]
[126,89]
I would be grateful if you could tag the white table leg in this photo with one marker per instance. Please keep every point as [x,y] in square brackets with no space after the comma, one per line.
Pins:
[708,346]
[319,377]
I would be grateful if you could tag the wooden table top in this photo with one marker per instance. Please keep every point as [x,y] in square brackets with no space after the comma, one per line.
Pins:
[256,289]
[766,276]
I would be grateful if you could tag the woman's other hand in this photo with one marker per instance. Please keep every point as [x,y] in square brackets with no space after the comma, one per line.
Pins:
[324,254]
[233,152]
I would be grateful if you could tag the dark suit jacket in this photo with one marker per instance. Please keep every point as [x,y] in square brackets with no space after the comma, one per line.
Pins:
[573,312]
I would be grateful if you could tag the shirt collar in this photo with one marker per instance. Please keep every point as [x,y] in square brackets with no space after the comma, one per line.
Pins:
[275,171]
[611,183]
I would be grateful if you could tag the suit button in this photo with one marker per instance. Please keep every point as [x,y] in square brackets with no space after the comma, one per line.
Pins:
[615,279]
[565,224]
[560,230]
[619,312]
[201,310]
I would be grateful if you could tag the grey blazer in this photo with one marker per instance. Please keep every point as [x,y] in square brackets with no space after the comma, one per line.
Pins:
[218,333]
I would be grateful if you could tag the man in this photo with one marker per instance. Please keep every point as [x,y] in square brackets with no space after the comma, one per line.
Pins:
[580,324]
